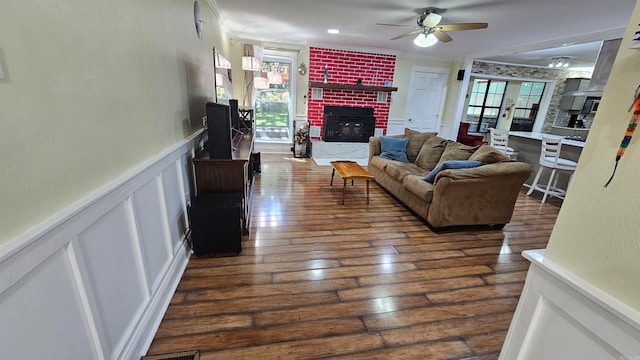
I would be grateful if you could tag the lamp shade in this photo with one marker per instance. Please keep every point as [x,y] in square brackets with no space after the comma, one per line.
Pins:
[423,40]
[260,83]
[251,63]
[274,78]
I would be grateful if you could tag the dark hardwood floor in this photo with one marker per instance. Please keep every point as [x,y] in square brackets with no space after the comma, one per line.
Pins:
[317,279]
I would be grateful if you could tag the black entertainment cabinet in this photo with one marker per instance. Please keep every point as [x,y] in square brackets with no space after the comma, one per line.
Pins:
[219,182]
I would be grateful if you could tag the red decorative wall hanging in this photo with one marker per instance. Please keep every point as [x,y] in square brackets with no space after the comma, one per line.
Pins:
[631,128]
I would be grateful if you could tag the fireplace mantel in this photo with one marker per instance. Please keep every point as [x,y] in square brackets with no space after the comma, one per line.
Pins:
[314,84]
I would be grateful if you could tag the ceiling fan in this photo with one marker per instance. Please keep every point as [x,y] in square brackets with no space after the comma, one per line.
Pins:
[429,29]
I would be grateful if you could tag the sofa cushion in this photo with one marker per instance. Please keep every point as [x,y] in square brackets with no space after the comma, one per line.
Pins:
[450,164]
[374,143]
[430,152]
[394,148]
[456,151]
[489,155]
[416,139]
[398,170]
[418,187]
[380,163]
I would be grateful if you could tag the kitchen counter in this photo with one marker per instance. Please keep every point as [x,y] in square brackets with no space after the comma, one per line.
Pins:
[528,144]
[538,136]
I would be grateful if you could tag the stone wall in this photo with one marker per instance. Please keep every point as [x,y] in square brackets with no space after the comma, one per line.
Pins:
[523,72]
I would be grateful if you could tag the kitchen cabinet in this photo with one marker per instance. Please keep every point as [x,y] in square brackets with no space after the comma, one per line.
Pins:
[570,103]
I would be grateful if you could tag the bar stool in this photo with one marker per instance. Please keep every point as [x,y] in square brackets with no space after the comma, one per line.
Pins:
[500,140]
[550,159]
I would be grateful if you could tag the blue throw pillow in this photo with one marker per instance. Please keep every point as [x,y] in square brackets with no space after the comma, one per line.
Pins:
[394,148]
[450,164]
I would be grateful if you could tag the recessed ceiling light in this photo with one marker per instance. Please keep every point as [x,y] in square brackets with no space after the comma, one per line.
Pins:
[333,31]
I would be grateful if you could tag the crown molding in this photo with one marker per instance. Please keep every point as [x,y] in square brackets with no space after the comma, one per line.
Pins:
[213,5]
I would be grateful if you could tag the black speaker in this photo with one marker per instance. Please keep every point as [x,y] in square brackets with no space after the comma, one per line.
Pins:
[218,131]
[460,75]
[255,163]
[215,220]
[235,114]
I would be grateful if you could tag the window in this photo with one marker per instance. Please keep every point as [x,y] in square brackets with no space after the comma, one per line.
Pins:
[274,106]
[527,105]
[485,102]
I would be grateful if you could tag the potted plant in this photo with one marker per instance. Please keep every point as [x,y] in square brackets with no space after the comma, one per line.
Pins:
[301,139]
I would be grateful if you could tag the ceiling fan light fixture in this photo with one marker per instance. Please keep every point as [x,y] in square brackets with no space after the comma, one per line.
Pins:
[431,20]
[424,41]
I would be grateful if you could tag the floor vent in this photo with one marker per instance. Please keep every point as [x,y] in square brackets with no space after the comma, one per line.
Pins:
[185,355]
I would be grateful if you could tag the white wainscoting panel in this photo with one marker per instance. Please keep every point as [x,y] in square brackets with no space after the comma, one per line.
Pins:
[116,296]
[176,208]
[94,280]
[148,213]
[561,316]
[42,317]
[395,127]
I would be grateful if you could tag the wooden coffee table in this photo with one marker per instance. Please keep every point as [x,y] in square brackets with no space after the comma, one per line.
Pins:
[350,170]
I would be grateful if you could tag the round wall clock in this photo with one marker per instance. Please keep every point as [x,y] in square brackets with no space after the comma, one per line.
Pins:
[198,19]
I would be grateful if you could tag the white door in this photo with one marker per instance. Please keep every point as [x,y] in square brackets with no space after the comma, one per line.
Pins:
[426,100]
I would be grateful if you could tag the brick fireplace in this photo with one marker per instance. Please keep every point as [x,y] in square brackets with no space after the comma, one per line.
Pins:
[347,67]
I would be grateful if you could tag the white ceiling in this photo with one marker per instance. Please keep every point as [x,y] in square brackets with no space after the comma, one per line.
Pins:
[520,31]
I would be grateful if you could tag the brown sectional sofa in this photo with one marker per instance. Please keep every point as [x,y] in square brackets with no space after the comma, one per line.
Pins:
[474,196]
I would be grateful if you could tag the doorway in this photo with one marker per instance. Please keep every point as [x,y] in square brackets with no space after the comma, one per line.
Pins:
[425,102]
[275,104]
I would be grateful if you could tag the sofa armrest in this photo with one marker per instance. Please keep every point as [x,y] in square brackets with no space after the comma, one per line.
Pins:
[374,146]
[483,195]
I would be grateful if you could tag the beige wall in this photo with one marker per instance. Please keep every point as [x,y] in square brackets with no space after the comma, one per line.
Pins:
[402,76]
[92,89]
[597,233]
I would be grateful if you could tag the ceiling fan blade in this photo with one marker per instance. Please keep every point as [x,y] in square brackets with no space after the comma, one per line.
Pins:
[407,26]
[413,32]
[442,36]
[463,26]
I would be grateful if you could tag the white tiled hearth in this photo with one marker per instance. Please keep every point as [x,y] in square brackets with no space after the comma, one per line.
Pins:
[325,152]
